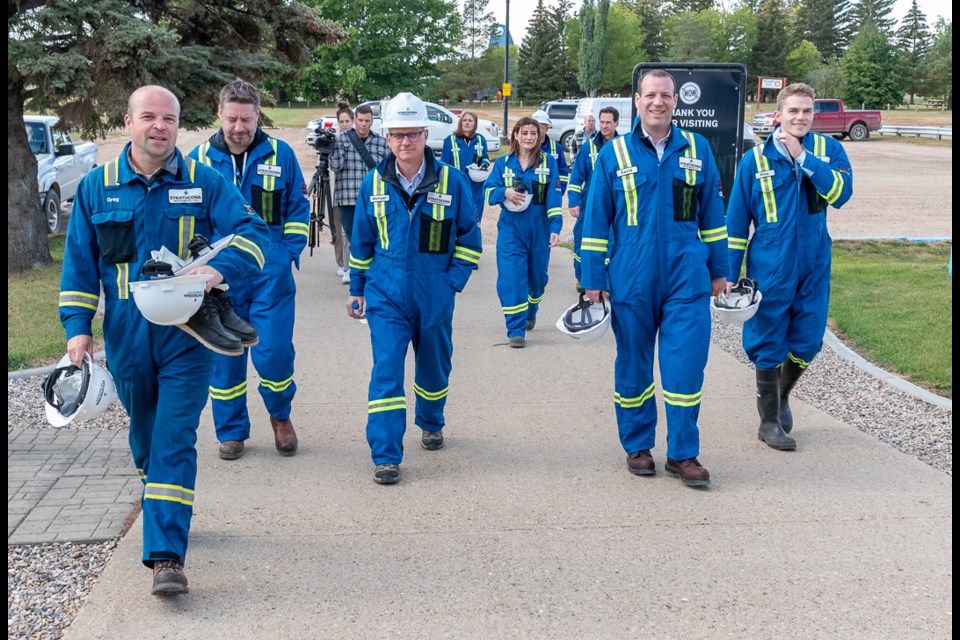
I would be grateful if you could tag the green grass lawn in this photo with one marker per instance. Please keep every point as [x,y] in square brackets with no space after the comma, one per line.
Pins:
[34,334]
[892,302]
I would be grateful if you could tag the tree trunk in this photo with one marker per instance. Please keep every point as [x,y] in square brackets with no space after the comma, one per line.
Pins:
[27,244]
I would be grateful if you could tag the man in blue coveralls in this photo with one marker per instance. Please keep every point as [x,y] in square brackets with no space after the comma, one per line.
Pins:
[655,199]
[151,196]
[783,188]
[415,241]
[267,173]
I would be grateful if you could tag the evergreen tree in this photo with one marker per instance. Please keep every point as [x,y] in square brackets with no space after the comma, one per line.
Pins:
[939,63]
[540,75]
[913,42]
[651,28]
[773,42]
[82,61]
[824,24]
[873,72]
[689,38]
[561,17]
[877,12]
[478,24]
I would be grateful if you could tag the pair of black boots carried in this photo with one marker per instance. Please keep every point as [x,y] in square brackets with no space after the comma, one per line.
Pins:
[215,324]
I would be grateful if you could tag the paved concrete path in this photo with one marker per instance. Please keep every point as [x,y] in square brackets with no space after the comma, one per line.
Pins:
[527,524]
[75,485]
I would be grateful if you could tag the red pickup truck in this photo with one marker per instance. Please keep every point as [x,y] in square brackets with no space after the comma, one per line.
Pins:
[829,117]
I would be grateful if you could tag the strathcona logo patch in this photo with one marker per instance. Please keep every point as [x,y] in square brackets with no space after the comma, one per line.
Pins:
[185,196]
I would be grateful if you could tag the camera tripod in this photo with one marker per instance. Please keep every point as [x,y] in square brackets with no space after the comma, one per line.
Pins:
[321,203]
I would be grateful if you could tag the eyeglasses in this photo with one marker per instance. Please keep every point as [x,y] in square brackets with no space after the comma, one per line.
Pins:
[411,137]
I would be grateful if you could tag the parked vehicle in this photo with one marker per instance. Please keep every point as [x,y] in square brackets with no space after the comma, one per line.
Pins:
[830,117]
[443,123]
[563,119]
[60,165]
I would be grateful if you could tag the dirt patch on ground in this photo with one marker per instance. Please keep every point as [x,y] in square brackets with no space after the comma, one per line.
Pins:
[900,189]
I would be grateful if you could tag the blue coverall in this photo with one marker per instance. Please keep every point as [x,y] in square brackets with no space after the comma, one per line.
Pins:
[664,222]
[579,189]
[161,372]
[790,252]
[409,257]
[271,182]
[460,153]
[553,148]
[523,238]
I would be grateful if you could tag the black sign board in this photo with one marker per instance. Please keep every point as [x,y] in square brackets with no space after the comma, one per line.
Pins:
[711,103]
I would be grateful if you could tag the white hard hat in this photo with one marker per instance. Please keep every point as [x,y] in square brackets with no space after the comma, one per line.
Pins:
[478,174]
[542,117]
[740,305]
[77,393]
[405,111]
[170,301]
[585,321]
[527,199]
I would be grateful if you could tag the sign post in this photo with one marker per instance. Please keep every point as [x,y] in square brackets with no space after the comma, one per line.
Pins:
[711,103]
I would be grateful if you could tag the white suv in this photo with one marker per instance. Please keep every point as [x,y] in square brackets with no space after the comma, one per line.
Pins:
[563,119]
[443,122]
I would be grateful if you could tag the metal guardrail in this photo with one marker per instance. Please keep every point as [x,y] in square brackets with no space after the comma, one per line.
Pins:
[938,132]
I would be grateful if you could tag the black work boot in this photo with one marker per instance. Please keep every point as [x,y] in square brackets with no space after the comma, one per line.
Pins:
[206,327]
[790,372]
[768,404]
[231,321]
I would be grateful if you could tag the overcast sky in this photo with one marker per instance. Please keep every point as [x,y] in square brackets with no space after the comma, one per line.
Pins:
[522,10]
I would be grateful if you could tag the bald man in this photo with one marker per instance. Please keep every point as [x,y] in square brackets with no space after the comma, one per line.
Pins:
[151,196]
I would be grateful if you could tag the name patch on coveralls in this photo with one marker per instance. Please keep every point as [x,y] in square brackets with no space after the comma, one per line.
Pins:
[383,198]
[694,164]
[626,172]
[269,170]
[760,175]
[442,199]
[185,196]
[542,171]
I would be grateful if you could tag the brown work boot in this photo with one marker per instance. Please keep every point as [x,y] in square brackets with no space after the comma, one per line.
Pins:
[641,463]
[231,449]
[168,579]
[284,436]
[691,472]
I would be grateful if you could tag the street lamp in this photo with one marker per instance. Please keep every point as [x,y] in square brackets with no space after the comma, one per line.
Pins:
[506,72]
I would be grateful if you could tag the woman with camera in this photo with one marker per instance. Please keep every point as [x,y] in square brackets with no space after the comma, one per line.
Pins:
[526,183]
[464,149]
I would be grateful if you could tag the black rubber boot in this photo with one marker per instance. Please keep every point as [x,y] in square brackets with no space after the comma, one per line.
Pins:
[768,404]
[790,372]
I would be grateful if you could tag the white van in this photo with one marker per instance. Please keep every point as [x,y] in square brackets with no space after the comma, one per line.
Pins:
[593,106]
[444,123]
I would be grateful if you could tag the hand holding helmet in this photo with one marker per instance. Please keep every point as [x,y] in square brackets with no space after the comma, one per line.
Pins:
[585,321]
[517,198]
[77,393]
[739,304]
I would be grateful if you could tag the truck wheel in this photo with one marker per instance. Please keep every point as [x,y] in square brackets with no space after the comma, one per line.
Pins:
[52,212]
[567,140]
[859,132]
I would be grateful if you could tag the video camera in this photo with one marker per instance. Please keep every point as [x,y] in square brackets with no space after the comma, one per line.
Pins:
[324,141]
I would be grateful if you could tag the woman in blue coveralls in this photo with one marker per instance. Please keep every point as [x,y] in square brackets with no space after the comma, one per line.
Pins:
[524,238]
[465,147]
